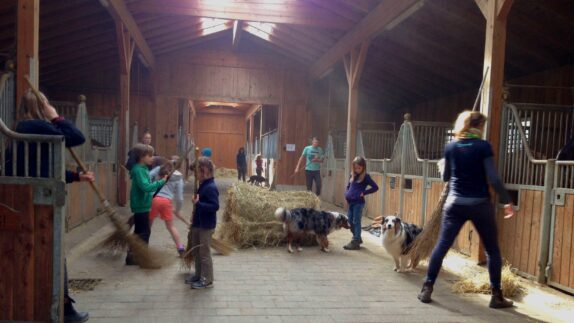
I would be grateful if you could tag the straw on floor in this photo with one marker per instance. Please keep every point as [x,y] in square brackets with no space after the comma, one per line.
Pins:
[249,220]
[222,172]
[480,284]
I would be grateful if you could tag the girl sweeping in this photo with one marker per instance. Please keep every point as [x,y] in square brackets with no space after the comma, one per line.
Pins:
[469,167]
[259,165]
[162,203]
[204,220]
[360,184]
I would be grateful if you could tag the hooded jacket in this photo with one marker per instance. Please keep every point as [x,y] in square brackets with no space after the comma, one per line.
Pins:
[173,189]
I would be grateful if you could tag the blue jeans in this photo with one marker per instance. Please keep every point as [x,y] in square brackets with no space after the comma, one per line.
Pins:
[355,215]
[454,217]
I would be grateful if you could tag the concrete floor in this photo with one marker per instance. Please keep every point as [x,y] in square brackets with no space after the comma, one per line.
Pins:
[270,285]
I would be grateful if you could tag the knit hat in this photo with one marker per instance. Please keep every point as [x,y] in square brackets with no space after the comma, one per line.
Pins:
[206,152]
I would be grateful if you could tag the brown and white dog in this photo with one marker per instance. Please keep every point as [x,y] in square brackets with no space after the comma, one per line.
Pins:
[298,221]
[397,238]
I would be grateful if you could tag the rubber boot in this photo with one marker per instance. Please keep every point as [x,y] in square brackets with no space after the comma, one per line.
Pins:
[70,313]
[426,291]
[498,301]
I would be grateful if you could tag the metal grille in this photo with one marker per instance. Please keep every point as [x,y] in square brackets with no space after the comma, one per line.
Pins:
[565,175]
[7,99]
[269,145]
[375,165]
[431,138]
[339,143]
[101,130]
[378,144]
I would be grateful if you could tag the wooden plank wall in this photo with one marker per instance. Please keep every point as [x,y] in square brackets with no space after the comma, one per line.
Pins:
[374,205]
[392,197]
[413,203]
[25,256]
[519,236]
[563,251]
[224,134]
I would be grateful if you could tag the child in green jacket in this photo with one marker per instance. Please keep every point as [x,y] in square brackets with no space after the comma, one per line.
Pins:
[141,193]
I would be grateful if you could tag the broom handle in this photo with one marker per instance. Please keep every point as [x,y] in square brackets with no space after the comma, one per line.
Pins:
[101,197]
[475,106]
[196,171]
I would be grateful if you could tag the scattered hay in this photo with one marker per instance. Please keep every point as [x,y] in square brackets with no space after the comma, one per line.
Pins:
[249,216]
[480,284]
[222,172]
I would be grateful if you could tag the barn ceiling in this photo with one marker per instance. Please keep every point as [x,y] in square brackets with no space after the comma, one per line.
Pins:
[434,51]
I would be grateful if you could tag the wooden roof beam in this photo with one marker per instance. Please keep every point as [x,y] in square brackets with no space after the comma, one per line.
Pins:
[386,14]
[237,28]
[121,14]
[279,13]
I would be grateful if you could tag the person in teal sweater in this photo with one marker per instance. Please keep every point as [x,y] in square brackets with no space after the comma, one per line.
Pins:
[141,194]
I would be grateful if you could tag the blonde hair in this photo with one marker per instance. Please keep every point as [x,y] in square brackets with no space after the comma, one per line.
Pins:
[468,120]
[31,108]
[360,161]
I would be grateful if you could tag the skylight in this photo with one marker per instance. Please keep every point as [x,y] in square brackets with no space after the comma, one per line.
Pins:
[213,25]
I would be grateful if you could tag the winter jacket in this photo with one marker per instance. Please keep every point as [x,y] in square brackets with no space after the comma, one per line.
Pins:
[205,216]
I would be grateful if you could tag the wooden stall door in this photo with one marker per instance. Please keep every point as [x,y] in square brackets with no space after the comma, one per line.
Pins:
[25,255]
[562,269]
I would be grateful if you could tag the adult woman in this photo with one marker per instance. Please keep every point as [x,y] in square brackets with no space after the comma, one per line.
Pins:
[469,167]
[241,164]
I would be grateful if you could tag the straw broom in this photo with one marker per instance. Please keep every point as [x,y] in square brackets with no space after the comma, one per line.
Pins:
[144,256]
[220,246]
[423,245]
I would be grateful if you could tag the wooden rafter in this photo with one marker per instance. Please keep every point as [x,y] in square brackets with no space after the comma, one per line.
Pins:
[372,25]
[182,37]
[360,5]
[292,12]
[187,42]
[334,7]
[120,13]
[237,31]
[125,47]
[293,48]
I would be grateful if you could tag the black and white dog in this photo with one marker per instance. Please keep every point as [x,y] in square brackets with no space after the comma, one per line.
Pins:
[298,221]
[397,239]
[256,180]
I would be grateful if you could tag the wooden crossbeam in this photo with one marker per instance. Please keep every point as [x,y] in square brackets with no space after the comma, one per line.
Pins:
[120,13]
[297,13]
[372,25]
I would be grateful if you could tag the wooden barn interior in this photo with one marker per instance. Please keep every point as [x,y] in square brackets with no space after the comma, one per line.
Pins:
[269,75]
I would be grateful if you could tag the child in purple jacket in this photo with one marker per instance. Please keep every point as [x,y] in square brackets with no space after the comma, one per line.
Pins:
[355,197]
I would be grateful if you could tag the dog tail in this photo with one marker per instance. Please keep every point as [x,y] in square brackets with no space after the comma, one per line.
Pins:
[281,214]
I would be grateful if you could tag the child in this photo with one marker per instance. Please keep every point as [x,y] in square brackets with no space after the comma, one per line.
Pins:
[241,164]
[162,202]
[141,193]
[259,165]
[355,197]
[41,118]
[204,220]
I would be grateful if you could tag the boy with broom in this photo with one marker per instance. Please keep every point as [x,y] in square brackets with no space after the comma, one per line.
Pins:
[203,225]
[141,194]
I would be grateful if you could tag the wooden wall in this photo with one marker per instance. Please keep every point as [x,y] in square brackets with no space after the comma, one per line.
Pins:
[254,76]
[223,133]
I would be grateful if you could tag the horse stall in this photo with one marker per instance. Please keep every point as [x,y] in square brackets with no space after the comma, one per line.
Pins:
[537,241]
[98,153]
[32,209]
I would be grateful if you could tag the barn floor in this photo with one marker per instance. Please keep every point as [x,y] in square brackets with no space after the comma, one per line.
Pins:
[274,286]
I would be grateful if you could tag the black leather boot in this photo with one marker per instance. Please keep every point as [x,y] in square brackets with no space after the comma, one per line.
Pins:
[498,301]
[70,313]
[426,291]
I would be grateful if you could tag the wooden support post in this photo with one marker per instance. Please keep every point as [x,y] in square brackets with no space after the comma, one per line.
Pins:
[354,63]
[495,12]
[251,142]
[28,29]
[126,50]
[237,31]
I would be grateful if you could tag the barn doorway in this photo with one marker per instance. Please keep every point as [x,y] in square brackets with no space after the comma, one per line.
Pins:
[227,126]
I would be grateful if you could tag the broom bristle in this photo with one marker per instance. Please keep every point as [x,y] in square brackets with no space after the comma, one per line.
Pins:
[423,245]
[221,247]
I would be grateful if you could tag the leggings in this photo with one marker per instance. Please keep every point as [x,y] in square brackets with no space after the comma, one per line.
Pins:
[454,217]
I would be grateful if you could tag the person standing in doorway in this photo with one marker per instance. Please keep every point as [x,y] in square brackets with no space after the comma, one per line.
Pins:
[241,164]
[313,156]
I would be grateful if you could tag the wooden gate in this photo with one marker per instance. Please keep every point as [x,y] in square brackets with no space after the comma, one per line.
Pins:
[560,268]
[31,226]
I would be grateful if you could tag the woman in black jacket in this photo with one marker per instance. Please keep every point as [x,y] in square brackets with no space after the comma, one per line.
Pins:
[241,164]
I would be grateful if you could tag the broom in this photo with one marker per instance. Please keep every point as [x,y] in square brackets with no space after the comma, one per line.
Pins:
[220,246]
[144,256]
[115,243]
[424,244]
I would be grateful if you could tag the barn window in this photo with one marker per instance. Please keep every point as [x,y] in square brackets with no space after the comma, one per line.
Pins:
[408,183]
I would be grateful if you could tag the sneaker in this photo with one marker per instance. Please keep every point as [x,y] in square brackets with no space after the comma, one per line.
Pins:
[201,284]
[192,279]
[353,245]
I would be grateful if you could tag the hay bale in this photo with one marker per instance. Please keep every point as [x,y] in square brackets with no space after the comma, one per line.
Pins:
[249,215]
[222,172]
[480,284]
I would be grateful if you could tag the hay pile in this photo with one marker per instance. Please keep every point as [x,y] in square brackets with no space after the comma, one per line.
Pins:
[249,216]
[222,172]
[480,284]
